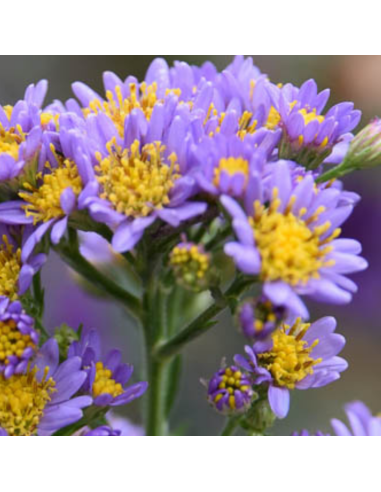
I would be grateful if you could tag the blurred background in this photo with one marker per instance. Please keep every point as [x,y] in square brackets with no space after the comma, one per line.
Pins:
[352,78]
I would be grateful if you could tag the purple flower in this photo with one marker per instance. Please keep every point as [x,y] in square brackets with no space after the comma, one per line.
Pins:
[361,420]
[306,433]
[258,318]
[106,379]
[288,236]
[43,398]
[300,356]
[230,391]
[15,277]
[18,338]
[20,135]
[119,427]
[101,431]
[309,137]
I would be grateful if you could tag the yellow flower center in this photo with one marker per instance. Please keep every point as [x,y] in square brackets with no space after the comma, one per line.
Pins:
[190,264]
[12,342]
[289,361]
[22,402]
[144,98]
[309,116]
[103,382]
[10,265]
[137,181]
[231,166]
[291,248]
[44,202]
[231,381]
[273,119]
[10,140]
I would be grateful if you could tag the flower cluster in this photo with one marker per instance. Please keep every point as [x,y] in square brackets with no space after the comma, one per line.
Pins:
[195,177]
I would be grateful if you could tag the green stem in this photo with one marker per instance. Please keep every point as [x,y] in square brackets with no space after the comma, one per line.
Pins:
[335,172]
[230,426]
[76,261]
[203,322]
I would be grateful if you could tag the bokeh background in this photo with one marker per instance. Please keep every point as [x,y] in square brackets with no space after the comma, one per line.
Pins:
[353,78]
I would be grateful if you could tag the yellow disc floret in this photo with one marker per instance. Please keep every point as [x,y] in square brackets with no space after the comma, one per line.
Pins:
[12,342]
[23,399]
[291,248]
[117,109]
[289,361]
[11,139]
[190,264]
[273,119]
[44,201]
[103,382]
[10,266]
[137,181]
[231,166]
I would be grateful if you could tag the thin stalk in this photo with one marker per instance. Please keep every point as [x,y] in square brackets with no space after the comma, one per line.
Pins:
[230,426]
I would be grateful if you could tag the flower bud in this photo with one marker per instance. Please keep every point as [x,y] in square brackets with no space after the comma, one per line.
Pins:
[365,149]
[190,264]
[258,318]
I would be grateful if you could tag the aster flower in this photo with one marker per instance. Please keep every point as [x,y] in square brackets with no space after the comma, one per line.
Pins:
[18,338]
[288,235]
[230,391]
[20,135]
[300,356]
[15,277]
[41,400]
[119,426]
[308,135]
[191,265]
[102,431]
[361,420]
[106,379]
[258,317]
[223,163]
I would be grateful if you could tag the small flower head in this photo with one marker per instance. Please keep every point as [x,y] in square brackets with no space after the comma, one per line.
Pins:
[40,400]
[18,338]
[191,265]
[106,379]
[300,356]
[230,391]
[308,135]
[258,318]
[102,431]
[362,421]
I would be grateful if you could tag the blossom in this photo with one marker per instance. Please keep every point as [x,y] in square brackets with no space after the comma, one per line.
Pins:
[258,317]
[20,134]
[300,356]
[18,338]
[230,391]
[309,136]
[191,265]
[361,420]
[15,277]
[106,379]
[119,426]
[102,431]
[42,399]
[289,236]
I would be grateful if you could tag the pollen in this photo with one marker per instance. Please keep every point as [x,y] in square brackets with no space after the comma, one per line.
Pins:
[23,399]
[137,181]
[10,266]
[103,382]
[309,116]
[289,361]
[44,201]
[190,264]
[12,341]
[10,140]
[231,166]
[291,248]
[118,108]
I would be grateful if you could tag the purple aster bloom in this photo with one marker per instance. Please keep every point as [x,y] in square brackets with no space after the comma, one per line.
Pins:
[43,397]
[361,421]
[300,356]
[258,318]
[20,135]
[308,135]
[15,277]
[106,379]
[306,433]
[223,164]
[230,391]
[288,235]
[18,338]
[120,426]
